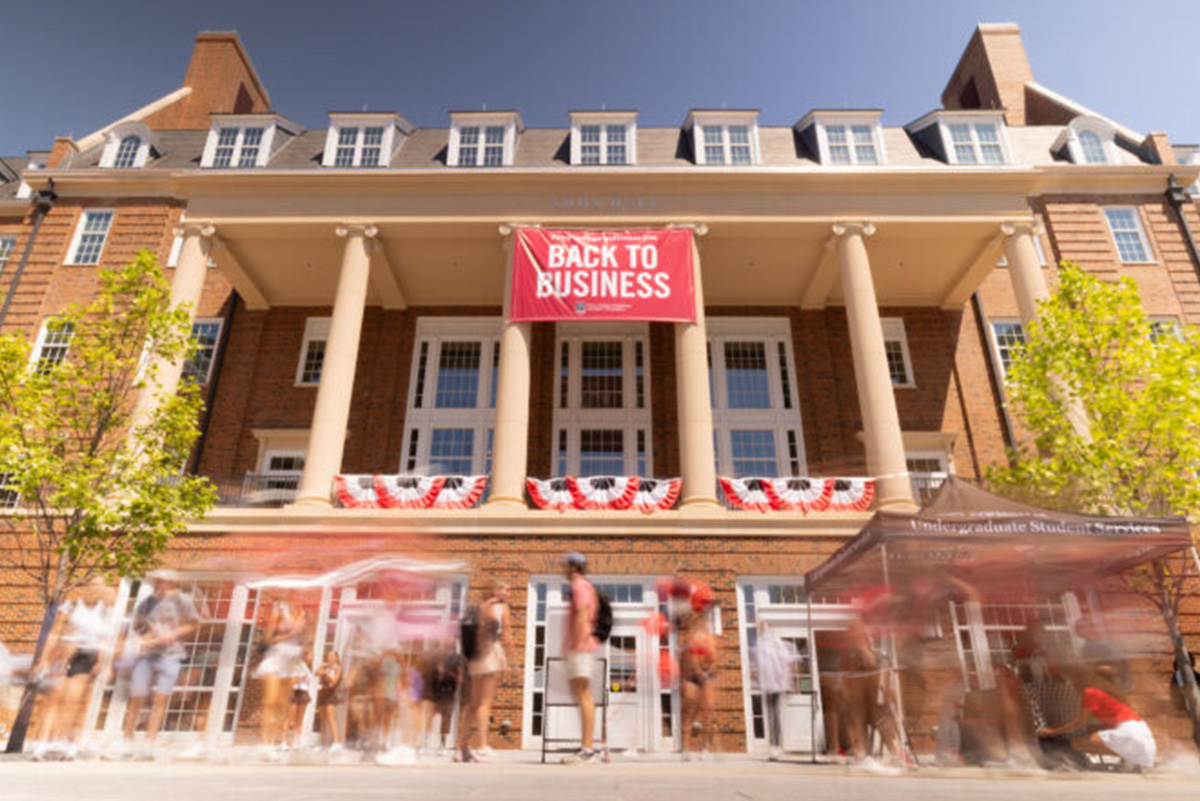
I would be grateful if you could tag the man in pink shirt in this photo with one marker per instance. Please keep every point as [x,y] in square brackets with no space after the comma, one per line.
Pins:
[579,647]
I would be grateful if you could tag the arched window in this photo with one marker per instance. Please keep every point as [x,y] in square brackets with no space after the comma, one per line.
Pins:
[1092,147]
[127,151]
[1089,140]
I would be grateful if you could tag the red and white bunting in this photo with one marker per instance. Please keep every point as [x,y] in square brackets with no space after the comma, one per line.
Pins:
[800,494]
[551,493]
[356,491]
[852,494]
[656,494]
[603,492]
[460,492]
[408,492]
[747,493]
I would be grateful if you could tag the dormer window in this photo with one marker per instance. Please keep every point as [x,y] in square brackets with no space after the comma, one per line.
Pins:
[238,141]
[363,140]
[965,137]
[1088,140]
[126,146]
[603,137]
[844,138]
[724,137]
[483,139]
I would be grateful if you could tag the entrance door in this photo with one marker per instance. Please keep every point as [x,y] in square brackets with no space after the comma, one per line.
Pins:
[630,690]
[798,713]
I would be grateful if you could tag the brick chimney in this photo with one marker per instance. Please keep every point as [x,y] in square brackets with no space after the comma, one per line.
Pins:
[1158,147]
[64,148]
[992,73]
[221,78]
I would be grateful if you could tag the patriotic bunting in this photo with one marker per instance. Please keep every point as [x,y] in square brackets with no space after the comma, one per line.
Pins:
[356,491]
[655,494]
[799,494]
[852,494]
[747,493]
[603,492]
[408,492]
[551,493]
[460,492]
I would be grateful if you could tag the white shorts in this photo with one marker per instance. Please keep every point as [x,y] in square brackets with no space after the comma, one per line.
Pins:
[1132,741]
[580,664]
[283,659]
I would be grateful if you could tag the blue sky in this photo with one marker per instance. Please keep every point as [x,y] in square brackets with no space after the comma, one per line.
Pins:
[71,66]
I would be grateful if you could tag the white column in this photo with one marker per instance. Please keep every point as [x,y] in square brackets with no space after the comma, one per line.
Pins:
[876,396]
[327,438]
[186,287]
[510,434]
[1024,267]
[697,465]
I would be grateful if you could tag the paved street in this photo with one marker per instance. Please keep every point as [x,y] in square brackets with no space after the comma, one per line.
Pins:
[520,778]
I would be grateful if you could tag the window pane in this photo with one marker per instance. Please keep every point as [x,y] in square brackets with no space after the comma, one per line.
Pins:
[712,134]
[1009,337]
[55,345]
[450,451]
[616,154]
[836,134]
[589,134]
[746,382]
[205,337]
[1092,147]
[739,135]
[344,157]
[714,154]
[601,375]
[314,360]
[739,154]
[839,154]
[494,135]
[589,154]
[458,376]
[347,137]
[965,154]
[987,133]
[91,240]
[493,156]
[601,452]
[127,151]
[753,453]
[895,362]
[616,134]
[1127,234]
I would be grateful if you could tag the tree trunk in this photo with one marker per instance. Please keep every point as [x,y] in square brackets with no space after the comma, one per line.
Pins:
[16,738]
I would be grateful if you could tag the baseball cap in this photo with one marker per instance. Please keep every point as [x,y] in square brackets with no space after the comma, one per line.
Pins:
[575,559]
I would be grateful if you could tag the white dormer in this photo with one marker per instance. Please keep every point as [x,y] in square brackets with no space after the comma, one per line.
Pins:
[363,139]
[965,137]
[603,137]
[483,138]
[237,141]
[844,138]
[127,145]
[1088,140]
[24,190]
[724,137]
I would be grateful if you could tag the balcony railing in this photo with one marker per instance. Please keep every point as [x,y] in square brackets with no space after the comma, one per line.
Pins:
[268,490]
[926,485]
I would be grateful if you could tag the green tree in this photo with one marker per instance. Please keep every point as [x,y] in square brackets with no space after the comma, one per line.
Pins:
[1112,402]
[97,493]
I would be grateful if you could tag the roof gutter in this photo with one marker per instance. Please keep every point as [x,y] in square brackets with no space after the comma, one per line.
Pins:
[43,201]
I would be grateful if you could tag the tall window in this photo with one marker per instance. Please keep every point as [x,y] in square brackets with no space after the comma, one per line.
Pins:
[312,351]
[756,417]
[10,497]
[602,144]
[976,143]
[53,342]
[1092,147]
[726,144]
[206,333]
[127,152]
[238,147]
[481,145]
[90,236]
[1127,233]
[851,144]
[927,471]
[602,401]
[7,245]
[895,344]
[359,147]
[452,397]
[1009,337]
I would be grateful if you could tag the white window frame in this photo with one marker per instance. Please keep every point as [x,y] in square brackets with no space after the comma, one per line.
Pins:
[316,329]
[394,133]
[35,356]
[699,120]
[994,341]
[626,120]
[220,324]
[116,135]
[271,140]
[7,245]
[772,331]
[574,419]
[434,331]
[944,120]
[822,123]
[1138,227]
[509,121]
[9,497]
[1094,125]
[77,240]
[940,456]
[1165,325]
[893,331]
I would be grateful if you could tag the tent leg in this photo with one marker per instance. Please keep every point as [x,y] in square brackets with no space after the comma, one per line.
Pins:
[894,680]
[816,693]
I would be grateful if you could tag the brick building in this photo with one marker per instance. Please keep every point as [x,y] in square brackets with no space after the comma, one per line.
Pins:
[859,289]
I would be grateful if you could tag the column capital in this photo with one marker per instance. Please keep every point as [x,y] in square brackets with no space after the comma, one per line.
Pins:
[365,230]
[860,227]
[202,229]
[1011,228]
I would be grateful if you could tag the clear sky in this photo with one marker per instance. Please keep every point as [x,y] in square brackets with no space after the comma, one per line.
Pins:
[71,66]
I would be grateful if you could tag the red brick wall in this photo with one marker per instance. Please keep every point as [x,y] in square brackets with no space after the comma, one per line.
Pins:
[221,78]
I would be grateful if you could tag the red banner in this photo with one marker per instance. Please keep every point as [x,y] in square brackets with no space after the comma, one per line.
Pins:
[641,274]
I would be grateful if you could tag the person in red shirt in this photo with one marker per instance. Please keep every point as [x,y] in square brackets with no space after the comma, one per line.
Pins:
[1123,733]
[579,647]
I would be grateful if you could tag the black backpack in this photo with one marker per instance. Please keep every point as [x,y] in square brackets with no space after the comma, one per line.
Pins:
[604,617]
[468,632]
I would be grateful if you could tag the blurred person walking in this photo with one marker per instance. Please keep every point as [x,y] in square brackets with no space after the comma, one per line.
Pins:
[698,673]
[485,669]
[579,651]
[281,665]
[331,693]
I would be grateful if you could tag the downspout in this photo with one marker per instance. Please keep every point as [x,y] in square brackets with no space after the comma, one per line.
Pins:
[214,382]
[1178,197]
[985,333]
[42,203]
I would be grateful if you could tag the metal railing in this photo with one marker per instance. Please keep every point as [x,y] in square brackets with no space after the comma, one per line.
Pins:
[268,490]
[926,485]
